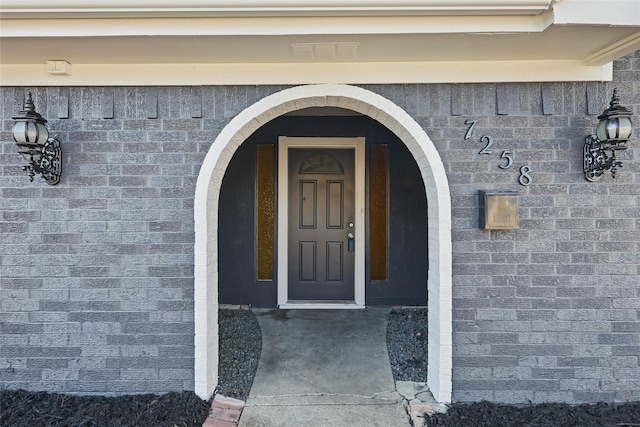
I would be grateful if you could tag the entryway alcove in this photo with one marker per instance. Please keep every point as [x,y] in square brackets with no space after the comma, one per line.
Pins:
[207,209]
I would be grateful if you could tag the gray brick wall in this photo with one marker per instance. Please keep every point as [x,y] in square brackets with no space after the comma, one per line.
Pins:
[96,274]
[550,311]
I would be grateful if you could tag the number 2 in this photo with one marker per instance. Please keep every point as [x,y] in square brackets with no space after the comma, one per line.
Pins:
[489,141]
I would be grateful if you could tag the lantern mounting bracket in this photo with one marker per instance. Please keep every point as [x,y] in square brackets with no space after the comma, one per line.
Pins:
[596,160]
[45,161]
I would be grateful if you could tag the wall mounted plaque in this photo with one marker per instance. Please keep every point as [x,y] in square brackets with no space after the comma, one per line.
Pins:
[501,210]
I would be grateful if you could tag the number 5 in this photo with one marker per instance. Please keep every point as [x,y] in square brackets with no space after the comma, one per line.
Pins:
[507,154]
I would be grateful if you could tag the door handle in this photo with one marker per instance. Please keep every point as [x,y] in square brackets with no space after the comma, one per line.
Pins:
[350,242]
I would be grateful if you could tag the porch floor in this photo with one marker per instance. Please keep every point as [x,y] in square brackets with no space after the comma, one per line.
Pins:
[324,367]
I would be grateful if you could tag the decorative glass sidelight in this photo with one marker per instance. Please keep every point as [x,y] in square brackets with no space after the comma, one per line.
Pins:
[265,210]
[378,211]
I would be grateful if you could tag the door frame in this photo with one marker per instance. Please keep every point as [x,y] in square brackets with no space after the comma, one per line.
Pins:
[358,145]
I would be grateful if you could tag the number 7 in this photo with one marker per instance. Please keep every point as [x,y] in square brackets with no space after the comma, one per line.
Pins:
[470,130]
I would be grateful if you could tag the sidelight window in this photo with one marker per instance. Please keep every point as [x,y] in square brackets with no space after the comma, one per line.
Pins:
[265,210]
[378,209]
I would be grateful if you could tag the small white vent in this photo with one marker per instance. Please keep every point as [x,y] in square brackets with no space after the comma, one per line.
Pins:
[59,68]
[325,51]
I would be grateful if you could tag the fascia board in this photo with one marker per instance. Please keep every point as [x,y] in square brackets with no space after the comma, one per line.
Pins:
[268,7]
[597,12]
[268,26]
[293,73]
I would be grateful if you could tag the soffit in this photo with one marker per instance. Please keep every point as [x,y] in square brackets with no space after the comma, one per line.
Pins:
[568,43]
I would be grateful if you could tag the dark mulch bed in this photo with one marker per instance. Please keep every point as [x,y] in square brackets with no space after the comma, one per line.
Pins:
[26,409]
[240,348]
[485,414]
[407,344]
[240,333]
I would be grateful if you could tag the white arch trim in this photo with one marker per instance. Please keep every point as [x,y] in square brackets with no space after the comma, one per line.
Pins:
[439,221]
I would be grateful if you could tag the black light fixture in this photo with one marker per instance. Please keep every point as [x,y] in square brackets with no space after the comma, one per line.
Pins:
[32,137]
[612,133]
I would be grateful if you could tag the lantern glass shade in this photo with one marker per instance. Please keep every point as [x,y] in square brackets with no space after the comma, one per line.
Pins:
[614,129]
[29,132]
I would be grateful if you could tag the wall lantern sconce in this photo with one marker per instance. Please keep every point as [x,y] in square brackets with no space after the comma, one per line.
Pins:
[612,133]
[32,137]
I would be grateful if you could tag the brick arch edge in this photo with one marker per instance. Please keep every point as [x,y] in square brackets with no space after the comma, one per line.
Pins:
[439,284]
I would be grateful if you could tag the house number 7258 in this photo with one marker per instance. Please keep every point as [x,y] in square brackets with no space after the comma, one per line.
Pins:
[525,171]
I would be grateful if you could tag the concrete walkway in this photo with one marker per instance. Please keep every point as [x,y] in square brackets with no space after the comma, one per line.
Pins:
[324,368]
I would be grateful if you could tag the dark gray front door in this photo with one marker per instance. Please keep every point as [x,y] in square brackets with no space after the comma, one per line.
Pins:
[321,221]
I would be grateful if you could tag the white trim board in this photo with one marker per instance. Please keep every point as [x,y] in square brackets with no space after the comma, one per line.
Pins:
[307,73]
[138,8]
[284,143]
[320,306]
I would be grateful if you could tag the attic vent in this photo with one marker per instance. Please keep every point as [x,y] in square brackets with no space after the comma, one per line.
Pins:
[324,51]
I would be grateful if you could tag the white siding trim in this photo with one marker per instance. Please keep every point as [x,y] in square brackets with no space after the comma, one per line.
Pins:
[261,7]
[311,73]
[439,221]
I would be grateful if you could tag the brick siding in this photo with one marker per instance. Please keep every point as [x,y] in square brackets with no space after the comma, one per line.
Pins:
[96,274]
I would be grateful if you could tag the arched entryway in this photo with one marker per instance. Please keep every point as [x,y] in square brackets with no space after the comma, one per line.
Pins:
[439,220]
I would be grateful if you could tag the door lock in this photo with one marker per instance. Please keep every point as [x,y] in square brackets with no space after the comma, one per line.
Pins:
[350,242]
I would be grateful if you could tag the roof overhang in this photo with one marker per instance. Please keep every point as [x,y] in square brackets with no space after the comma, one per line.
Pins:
[199,42]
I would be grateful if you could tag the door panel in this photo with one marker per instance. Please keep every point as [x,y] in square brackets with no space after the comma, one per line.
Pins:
[335,204]
[308,204]
[334,261]
[307,261]
[321,211]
